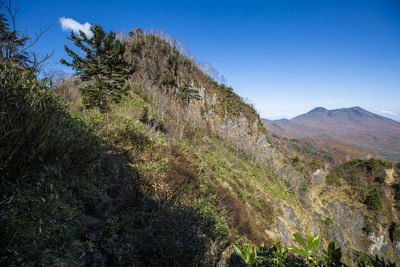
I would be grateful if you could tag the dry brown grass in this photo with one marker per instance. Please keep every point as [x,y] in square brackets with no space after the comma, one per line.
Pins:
[237,215]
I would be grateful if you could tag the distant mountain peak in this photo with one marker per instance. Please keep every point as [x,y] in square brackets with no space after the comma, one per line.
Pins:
[318,109]
[353,125]
[357,107]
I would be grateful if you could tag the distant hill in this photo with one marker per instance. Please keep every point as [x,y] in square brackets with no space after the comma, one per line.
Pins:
[353,126]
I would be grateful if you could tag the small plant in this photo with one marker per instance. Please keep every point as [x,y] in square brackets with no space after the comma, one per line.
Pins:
[248,255]
[328,221]
[308,251]
[277,256]
[332,256]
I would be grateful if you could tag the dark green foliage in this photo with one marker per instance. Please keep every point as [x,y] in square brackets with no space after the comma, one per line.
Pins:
[36,130]
[44,153]
[366,178]
[374,200]
[189,93]
[295,160]
[328,221]
[104,67]
[367,229]
[155,123]
[363,260]
[394,232]
[359,172]
[333,256]
[278,256]
[308,251]
[248,255]
[11,44]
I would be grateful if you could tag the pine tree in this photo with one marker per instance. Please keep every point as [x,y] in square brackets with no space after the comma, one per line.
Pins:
[189,93]
[11,43]
[104,67]
[13,56]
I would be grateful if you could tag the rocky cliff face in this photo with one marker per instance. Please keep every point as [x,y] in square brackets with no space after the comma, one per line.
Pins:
[330,212]
[164,64]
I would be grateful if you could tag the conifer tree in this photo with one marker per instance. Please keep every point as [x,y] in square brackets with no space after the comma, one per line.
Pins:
[189,93]
[104,67]
[17,65]
[11,43]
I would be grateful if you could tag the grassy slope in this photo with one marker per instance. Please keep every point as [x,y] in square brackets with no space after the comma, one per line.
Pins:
[176,200]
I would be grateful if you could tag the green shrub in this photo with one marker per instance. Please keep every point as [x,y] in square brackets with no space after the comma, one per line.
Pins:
[278,256]
[332,256]
[248,255]
[374,200]
[308,251]
[36,130]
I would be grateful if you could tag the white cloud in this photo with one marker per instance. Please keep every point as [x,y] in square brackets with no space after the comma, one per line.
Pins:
[70,24]
[387,112]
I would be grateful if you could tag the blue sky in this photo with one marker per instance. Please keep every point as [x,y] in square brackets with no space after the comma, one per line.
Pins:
[286,56]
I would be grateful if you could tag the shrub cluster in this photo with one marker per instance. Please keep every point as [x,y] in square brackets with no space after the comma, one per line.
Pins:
[36,131]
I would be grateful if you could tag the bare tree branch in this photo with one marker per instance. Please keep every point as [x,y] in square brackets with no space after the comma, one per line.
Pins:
[15,47]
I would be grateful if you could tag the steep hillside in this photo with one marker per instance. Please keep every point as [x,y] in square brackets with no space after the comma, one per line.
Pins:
[167,176]
[162,64]
[352,126]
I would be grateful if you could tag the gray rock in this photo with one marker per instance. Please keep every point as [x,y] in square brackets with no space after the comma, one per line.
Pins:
[284,232]
[290,217]
[317,216]
[326,211]
[318,176]
[314,229]
[289,213]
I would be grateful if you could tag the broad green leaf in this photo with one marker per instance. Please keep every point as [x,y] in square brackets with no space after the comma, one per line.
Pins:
[300,252]
[252,257]
[331,247]
[300,241]
[246,252]
[238,252]
[315,243]
[310,242]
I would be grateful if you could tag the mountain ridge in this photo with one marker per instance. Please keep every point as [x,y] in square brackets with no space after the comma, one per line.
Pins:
[354,126]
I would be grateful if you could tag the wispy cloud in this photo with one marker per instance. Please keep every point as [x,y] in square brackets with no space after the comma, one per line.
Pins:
[70,24]
[387,112]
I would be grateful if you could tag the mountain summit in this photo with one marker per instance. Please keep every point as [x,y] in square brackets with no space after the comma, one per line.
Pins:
[354,126]
[318,109]
[353,114]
